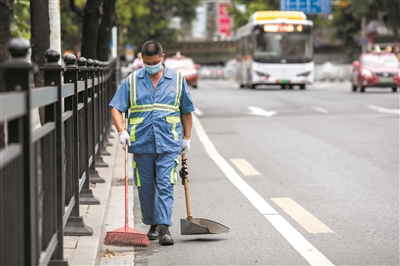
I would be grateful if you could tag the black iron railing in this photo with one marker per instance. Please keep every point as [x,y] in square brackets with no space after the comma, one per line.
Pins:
[45,172]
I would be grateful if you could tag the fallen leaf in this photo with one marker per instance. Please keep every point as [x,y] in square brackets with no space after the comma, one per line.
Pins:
[108,253]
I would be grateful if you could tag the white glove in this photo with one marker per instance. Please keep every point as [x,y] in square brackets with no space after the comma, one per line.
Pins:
[185,146]
[124,139]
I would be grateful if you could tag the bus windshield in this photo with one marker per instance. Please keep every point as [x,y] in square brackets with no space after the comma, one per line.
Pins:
[293,47]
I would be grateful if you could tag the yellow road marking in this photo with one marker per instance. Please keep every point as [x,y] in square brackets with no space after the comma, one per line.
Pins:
[303,217]
[245,167]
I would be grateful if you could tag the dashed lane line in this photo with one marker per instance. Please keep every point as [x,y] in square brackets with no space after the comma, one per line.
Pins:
[383,109]
[302,216]
[298,242]
[319,109]
[198,112]
[245,167]
[260,112]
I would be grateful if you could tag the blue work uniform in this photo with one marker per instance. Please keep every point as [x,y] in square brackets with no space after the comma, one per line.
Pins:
[156,137]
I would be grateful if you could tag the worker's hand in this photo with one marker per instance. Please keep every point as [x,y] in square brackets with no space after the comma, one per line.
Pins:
[124,139]
[185,146]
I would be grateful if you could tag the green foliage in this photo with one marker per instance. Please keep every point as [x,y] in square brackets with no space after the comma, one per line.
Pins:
[240,19]
[346,22]
[71,26]
[142,20]
[20,23]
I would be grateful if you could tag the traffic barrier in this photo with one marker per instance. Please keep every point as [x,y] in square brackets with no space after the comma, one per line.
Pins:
[45,171]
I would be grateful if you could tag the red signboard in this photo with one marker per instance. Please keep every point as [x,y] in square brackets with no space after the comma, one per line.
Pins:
[224,20]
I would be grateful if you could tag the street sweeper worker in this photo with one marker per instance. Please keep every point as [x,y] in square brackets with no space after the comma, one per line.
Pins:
[160,124]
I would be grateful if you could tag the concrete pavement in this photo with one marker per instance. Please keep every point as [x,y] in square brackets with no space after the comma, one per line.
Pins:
[109,215]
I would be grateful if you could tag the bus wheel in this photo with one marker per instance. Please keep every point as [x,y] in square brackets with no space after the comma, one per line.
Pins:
[253,86]
[241,86]
[394,89]
[290,87]
[283,87]
[302,86]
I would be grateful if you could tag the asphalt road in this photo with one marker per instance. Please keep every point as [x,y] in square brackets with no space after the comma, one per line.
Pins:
[300,178]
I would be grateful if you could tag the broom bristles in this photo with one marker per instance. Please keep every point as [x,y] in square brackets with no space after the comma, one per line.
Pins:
[126,237]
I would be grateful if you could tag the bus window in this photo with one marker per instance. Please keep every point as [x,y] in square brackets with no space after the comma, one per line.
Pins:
[272,46]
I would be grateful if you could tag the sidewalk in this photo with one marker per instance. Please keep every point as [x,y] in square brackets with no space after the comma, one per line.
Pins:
[109,215]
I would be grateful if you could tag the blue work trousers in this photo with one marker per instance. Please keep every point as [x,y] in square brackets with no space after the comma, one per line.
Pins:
[155,177]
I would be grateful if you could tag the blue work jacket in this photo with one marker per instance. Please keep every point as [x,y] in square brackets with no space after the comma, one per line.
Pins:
[154,116]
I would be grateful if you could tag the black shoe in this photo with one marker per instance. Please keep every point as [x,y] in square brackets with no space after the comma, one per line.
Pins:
[164,236]
[153,232]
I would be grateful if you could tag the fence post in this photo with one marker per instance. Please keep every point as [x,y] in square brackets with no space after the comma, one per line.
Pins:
[75,226]
[104,109]
[87,196]
[52,77]
[99,101]
[19,77]
[94,175]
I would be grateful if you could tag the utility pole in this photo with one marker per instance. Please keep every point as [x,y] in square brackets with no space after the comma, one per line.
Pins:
[55,25]
[363,33]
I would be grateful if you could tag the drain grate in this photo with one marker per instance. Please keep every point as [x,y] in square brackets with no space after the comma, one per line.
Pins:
[121,181]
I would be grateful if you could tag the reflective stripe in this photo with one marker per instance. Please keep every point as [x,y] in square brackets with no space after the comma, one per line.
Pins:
[156,106]
[134,121]
[179,89]
[152,107]
[173,176]
[138,184]
[133,88]
[174,120]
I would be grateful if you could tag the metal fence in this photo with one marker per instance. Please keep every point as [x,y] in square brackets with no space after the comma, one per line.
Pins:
[45,172]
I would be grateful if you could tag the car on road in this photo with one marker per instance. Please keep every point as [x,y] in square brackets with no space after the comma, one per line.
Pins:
[186,66]
[330,70]
[376,69]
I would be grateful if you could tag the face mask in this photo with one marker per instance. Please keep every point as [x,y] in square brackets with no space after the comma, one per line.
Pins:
[153,69]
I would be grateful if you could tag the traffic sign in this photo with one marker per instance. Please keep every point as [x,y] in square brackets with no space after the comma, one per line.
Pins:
[307,6]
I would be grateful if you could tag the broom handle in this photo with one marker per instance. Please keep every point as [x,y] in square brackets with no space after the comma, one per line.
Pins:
[126,175]
[186,185]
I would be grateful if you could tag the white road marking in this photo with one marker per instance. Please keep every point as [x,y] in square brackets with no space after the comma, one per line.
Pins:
[198,112]
[305,248]
[319,109]
[383,109]
[245,167]
[302,216]
[259,111]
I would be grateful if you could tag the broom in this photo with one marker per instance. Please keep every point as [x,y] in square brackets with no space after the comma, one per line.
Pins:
[126,236]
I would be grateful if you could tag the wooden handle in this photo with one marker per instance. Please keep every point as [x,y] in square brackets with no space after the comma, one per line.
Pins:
[126,176]
[186,186]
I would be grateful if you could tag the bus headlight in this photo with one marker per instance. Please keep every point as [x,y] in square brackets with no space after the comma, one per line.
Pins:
[262,74]
[304,74]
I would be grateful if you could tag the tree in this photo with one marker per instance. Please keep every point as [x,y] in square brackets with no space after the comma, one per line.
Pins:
[346,22]
[108,21]
[40,40]
[6,10]
[92,13]
[240,18]
[151,19]
[71,25]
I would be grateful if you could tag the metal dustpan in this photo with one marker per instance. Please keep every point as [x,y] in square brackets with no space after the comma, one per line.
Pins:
[196,226]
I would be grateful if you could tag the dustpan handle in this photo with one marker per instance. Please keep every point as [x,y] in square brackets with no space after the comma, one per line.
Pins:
[186,186]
